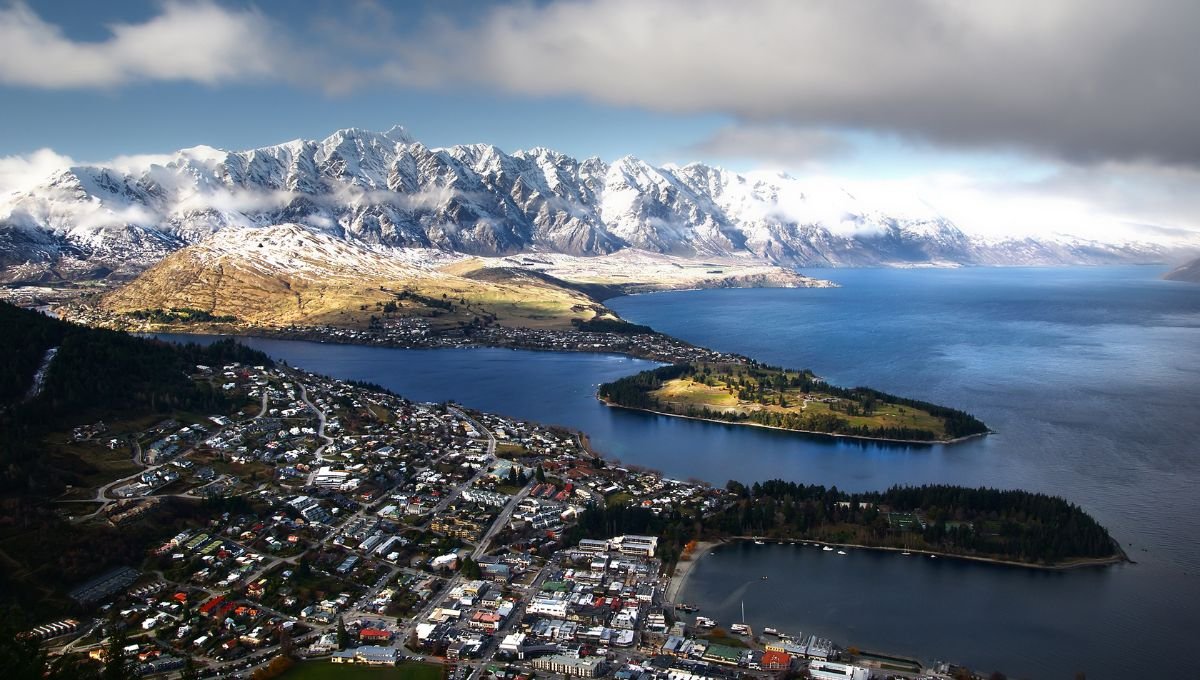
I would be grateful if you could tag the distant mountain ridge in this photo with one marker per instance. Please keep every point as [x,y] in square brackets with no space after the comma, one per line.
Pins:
[1188,271]
[387,189]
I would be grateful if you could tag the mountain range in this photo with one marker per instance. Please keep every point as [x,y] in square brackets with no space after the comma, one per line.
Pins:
[387,190]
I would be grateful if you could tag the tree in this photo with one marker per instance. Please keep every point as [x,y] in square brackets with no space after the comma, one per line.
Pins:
[115,667]
[21,659]
[470,568]
[343,637]
[189,672]
[286,645]
[541,475]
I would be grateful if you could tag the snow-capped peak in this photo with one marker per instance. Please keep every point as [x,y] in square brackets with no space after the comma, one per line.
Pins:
[388,190]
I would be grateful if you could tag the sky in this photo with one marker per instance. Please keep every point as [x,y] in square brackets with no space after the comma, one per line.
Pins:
[1015,117]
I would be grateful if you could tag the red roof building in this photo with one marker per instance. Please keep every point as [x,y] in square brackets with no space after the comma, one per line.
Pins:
[207,608]
[776,661]
[374,635]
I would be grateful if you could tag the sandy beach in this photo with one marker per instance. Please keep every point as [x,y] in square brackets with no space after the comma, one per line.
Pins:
[684,569]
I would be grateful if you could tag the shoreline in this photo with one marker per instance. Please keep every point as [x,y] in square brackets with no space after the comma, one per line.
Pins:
[858,437]
[1080,563]
[683,570]
[319,336]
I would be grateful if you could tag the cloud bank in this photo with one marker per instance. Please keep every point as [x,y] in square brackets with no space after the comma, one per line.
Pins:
[1085,80]
[1080,80]
[187,41]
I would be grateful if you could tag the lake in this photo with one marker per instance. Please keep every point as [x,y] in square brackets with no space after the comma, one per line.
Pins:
[1090,376]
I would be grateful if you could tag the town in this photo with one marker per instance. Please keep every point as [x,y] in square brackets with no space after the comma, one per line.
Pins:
[413,332]
[335,523]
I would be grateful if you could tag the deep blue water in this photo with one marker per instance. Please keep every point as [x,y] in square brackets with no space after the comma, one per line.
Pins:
[1090,376]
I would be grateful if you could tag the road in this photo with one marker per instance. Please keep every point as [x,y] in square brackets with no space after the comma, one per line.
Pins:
[320,422]
[491,452]
[491,448]
[320,430]
[501,520]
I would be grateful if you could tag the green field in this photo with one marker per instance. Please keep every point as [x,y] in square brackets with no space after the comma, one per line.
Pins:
[320,670]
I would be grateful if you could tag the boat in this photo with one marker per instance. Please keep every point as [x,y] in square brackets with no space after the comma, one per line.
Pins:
[827,548]
[770,631]
[764,578]
[841,552]
[705,622]
[760,543]
[906,553]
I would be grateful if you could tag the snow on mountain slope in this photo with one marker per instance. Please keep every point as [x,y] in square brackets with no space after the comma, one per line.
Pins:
[293,274]
[387,189]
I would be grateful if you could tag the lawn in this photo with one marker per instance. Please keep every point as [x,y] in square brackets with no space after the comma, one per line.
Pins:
[320,670]
[690,392]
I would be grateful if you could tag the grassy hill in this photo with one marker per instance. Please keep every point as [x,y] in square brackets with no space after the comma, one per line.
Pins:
[298,277]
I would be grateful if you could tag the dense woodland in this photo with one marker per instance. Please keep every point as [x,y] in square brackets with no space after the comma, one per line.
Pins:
[1003,524]
[96,374]
[619,326]
[180,315]
[755,382]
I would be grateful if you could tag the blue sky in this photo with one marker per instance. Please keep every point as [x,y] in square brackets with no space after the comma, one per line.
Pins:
[161,116]
[1076,109]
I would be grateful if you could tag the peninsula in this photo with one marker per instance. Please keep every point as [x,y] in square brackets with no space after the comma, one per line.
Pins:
[750,393]
[154,492]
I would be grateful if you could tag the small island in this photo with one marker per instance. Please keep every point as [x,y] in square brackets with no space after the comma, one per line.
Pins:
[750,393]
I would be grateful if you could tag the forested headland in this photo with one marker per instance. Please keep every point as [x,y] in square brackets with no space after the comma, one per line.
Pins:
[752,393]
[1005,525]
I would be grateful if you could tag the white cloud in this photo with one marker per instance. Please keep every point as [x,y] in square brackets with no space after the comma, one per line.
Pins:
[779,146]
[1113,204]
[22,172]
[188,41]
[233,201]
[1081,79]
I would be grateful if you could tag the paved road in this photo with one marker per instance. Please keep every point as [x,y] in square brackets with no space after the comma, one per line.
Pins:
[320,421]
[491,449]
[501,520]
[320,429]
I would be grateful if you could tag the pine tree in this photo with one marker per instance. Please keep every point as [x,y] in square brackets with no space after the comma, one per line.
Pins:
[343,637]
[114,662]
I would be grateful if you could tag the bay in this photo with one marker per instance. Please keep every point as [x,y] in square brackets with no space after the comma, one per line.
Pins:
[1090,376]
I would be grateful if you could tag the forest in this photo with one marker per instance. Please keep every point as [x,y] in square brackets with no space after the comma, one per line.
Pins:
[180,315]
[772,393]
[1011,525]
[619,326]
[95,374]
